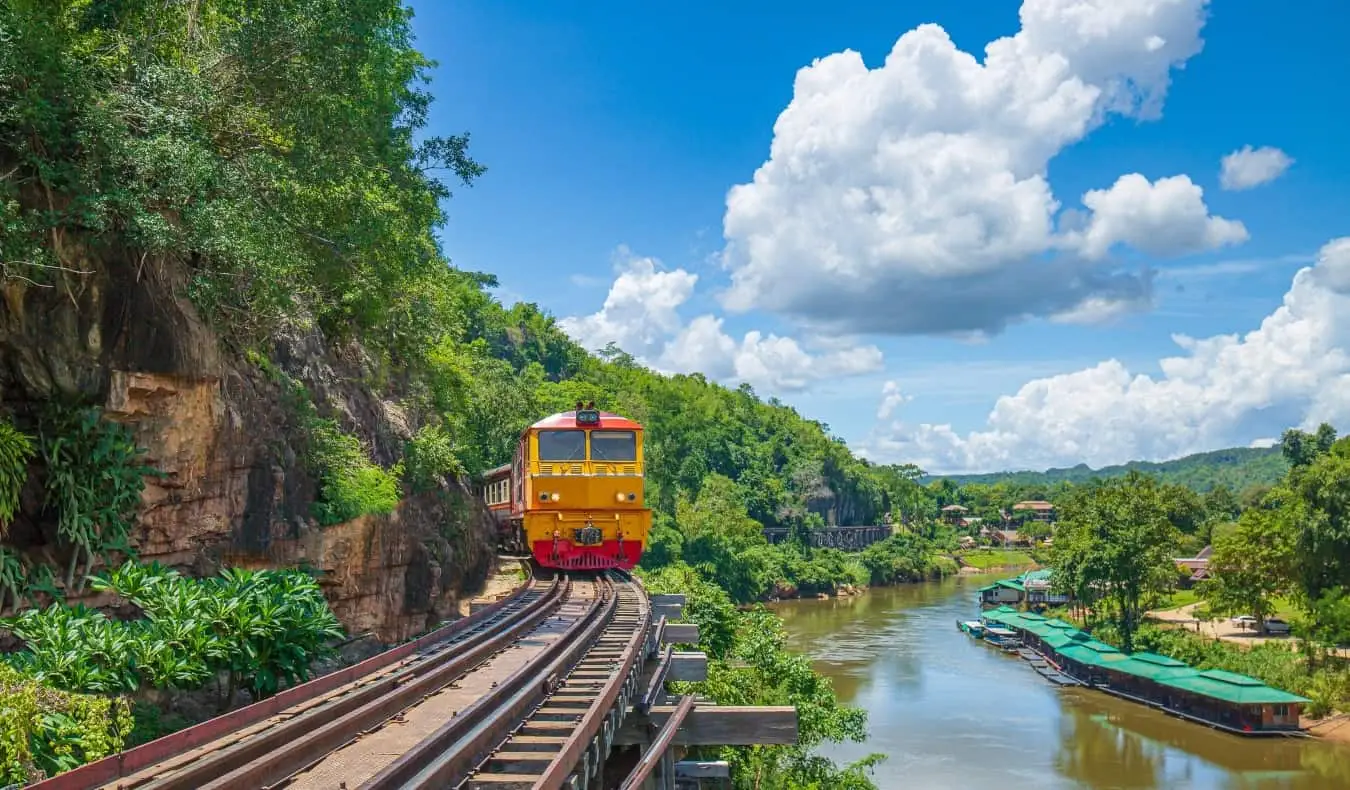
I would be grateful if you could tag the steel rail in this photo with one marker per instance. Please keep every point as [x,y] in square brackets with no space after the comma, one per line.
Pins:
[451,753]
[277,753]
[664,738]
[561,768]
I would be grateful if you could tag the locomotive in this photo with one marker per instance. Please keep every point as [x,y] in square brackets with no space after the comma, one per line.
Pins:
[572,497]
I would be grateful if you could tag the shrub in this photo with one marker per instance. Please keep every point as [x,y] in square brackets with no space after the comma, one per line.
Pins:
[263,628]
[349,484]
[44,731]
[429,458]
[15,451]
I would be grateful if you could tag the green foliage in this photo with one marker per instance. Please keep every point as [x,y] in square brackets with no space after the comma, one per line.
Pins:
[16,449]
[349,484]
[94,480]
[1236,469]
[1114,548]
[44,731]
[1250,566]
[263,628]
[749,665]
[429,458]
[272,148]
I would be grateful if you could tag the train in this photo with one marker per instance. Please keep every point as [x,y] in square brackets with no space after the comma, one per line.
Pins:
[572,496]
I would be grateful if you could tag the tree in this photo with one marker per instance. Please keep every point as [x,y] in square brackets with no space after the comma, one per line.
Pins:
[1251,565]
[1115,544]
[1317,502]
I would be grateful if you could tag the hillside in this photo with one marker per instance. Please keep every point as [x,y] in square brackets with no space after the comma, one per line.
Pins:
[1236,467]
[288,345]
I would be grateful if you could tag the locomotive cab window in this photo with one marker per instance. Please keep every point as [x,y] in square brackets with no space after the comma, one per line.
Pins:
[613,446]
[562,445]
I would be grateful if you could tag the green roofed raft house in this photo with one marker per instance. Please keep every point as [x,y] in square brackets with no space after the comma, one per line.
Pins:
[1225,700]
[1031,589]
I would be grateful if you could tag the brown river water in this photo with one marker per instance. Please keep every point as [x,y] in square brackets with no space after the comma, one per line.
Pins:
[950,712]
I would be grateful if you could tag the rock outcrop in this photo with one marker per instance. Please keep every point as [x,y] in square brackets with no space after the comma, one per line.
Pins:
[235,490]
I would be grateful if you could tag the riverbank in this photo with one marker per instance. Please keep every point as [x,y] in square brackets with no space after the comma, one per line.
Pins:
[952,714]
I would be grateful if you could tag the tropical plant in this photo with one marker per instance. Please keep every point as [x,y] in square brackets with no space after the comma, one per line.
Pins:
[44,731]
[262,628]
[94,480]
[15,451]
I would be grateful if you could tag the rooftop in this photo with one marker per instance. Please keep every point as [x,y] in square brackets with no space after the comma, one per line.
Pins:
[1232,687]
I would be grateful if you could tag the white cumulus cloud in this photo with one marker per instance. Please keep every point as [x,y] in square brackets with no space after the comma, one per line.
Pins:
[641,316]
[1248,167]
[913,197]
[1294,369]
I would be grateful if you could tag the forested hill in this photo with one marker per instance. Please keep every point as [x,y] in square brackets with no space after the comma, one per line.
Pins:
[1237,468]
[290,193]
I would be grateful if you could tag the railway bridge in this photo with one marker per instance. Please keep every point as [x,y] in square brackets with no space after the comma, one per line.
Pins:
[846,538]
[559,684]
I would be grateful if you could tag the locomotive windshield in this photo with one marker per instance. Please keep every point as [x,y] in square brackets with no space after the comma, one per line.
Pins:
[613,446]
[562,445]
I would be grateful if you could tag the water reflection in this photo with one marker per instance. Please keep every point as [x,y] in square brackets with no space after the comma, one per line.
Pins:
[951,713]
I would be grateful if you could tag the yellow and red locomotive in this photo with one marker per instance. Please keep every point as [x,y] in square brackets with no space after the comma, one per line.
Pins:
[572,497]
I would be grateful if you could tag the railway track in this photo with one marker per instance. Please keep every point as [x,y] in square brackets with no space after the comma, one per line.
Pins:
[527,698]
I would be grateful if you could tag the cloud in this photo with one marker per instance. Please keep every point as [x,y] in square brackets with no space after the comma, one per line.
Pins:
[891,399]
[1248,167]
[913,197]
[1165,217]
[1219,392]
[641,316]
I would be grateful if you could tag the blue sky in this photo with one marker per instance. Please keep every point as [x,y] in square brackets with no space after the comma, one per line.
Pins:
[608,125]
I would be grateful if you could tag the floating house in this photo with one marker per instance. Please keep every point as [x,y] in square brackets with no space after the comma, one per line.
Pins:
[1225,700]
[1031,589]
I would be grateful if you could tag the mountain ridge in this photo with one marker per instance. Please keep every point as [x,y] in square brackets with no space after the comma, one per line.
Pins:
[1234,467]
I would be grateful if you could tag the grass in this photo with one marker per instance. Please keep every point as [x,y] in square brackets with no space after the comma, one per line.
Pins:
[984,559]
[1178,599]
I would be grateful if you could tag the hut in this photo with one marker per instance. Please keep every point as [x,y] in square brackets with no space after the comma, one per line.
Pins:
[1233,702]
[1139,676]
[1087,660]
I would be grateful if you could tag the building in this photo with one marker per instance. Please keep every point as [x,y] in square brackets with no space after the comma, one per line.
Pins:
[1197,567]
[1225,700]
[1035,510]
[1030,590]
[953,514]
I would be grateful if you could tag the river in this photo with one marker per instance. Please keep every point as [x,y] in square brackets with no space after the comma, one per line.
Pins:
[953,713]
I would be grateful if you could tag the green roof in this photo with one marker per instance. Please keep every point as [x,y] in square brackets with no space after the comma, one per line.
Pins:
[1093,653]
[1232,687]
[1033,617]
[1042,575]
[1134,665]
[1059,638]
[1162,661]
[1011,584]
[1060,624]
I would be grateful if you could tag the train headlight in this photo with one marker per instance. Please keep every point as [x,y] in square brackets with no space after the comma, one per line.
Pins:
[618,497]
[554,496]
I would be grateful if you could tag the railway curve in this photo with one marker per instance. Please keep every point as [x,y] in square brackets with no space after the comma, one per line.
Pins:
[531,692]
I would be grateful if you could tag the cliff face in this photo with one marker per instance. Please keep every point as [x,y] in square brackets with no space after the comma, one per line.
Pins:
[235,490]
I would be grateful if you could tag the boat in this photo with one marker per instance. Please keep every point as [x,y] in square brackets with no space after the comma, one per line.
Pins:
[972,628]
[1003,638]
